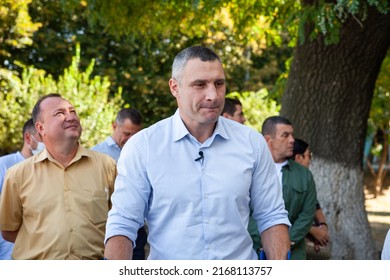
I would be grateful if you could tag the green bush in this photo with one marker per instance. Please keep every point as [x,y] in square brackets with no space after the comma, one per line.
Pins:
[257,106]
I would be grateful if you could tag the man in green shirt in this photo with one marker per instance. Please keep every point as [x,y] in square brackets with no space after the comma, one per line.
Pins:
[299,191]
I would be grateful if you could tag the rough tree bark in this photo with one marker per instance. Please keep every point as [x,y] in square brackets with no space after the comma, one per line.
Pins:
[328,98]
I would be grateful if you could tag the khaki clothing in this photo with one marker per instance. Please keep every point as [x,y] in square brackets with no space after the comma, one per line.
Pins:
[60,212]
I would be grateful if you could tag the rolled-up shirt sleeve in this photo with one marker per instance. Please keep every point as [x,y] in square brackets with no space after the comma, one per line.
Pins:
[131,195]
[266,193]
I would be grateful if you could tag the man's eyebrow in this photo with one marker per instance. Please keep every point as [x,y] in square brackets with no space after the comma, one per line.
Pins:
[206,80]
[59,109]
[199,81]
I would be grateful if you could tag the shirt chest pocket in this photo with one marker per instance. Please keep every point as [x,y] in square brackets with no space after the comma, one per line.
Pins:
[294,197]
[92,204]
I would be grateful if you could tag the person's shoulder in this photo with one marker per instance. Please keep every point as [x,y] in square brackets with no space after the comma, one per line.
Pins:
[20,166]
[154,130]
[102,160]
[161,124]
[300,169]
[236,126]
[10,158]
[97,146]
[97,155]
[101,146]
[239,131]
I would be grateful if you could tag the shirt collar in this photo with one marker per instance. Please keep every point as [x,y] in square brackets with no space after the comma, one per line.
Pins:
[288,163]
[180,130]
[111,142]
[81,152]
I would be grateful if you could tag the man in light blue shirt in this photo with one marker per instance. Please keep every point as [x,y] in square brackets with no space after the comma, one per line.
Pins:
[194,177]
[127,123]
[31,145]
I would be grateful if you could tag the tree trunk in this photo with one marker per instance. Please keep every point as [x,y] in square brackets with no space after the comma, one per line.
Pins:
[328,98]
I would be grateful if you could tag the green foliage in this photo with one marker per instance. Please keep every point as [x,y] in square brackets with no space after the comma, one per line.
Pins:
[326,17]
[134,42]
[122,17]
[257,106]
[140,61]
[16,27]
[90,96]
[281,82]
[379,119]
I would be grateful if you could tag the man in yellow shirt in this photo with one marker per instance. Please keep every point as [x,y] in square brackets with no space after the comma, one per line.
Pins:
[54,205]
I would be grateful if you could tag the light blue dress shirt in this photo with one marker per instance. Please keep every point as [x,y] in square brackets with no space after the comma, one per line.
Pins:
[385,255]
[196,209]
[108,147]
[6,162]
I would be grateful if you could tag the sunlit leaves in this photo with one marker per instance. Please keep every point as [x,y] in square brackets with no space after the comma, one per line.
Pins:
[16,27]
[257,106]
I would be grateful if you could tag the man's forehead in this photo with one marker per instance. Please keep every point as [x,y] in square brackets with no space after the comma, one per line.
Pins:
[56,102]
[238,107]
[280,127]
[200,67]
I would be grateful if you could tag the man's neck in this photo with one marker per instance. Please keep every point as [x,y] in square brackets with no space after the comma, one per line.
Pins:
[26,151]
[65,154]
[201,132]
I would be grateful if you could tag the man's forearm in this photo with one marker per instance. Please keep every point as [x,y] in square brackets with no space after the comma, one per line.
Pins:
[118,248]
[276,242]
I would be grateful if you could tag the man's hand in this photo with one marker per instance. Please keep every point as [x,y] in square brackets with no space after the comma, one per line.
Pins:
[320,234]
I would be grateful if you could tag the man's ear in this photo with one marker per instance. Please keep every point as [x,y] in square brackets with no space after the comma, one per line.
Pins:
[226,115]
[299,157]
[27,137]
[174,87]
[267,138]
[39,127]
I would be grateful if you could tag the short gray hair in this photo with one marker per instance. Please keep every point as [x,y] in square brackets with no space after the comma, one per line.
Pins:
[203,53]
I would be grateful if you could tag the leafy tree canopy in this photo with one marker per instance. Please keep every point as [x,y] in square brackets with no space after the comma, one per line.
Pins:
[16,27]
[123,17]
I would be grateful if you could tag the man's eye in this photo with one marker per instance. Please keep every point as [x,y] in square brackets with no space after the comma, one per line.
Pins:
[199,85]
[219,83]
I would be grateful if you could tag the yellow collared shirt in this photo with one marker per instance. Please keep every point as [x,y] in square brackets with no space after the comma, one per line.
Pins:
[60,212]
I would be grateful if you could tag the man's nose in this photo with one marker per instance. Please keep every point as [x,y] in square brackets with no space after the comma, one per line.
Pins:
[69,116]
[211,93]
